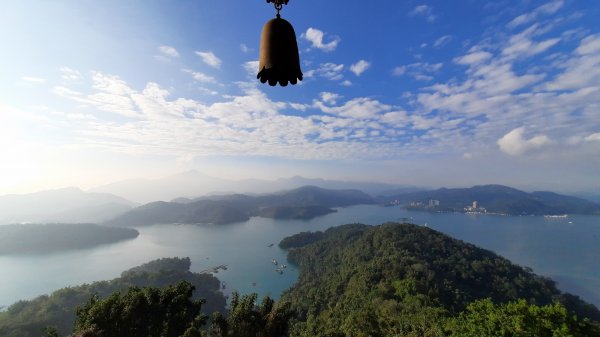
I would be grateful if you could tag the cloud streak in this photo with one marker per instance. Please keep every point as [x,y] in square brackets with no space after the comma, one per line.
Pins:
[316,37]
[360,67]
[424,11]
[546,9]
[168,51]
[209,58]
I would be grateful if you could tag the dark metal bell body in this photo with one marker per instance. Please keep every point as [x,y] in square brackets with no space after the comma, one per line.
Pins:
[279,59]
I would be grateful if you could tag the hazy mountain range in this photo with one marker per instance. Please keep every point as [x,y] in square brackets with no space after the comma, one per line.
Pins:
[192,184]
[301,203]
[193,197]
[67,205]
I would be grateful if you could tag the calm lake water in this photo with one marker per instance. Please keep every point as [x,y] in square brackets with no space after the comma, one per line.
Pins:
[567,250]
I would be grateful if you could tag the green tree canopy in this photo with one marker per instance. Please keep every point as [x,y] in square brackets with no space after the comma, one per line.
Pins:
[483,318]
[142,312]
[247,319]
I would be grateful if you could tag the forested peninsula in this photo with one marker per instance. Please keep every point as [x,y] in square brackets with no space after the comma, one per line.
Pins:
[406,280]
[39,239]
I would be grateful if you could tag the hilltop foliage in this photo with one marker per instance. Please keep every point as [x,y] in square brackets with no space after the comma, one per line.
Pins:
[171,312]
[142,312]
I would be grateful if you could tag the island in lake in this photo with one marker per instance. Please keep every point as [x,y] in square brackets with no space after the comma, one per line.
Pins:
[39,239]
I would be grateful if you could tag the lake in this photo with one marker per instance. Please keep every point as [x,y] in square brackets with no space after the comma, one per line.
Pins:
[567,250]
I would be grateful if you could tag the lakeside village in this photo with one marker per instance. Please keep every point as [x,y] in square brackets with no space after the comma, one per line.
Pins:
[434,206]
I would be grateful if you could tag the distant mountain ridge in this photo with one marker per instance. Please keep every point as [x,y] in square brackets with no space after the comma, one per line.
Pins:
[66,205]
[193,184]
[499,199]
[301,203]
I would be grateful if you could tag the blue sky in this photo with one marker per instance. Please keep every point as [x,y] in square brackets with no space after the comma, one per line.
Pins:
[432,93]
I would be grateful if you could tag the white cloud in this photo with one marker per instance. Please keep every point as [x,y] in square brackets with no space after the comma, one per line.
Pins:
[346,83]
[330,97]
[470,113]
[399,71]
[330,71]
[522,45]
[202,77]
[33,79]
[595,137]
[66,92]
[251,68]
[420,71]
[316,36]
[210,58]
[425,11]
[360,67]
[357,108]
[250,123]
[473,58]
[423,77]
[589,45]
[441,41]
[308,73]
[514,144]
[69,74]
[582,69]
[557,100]
[111,84]
[244,48]
[168,51]
[546,9]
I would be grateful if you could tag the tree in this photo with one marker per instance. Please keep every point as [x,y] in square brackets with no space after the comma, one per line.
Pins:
[142,312]
[50,332]
[246,319]
[483,318]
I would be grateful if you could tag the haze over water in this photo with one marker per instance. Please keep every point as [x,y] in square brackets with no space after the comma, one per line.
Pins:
[566,252]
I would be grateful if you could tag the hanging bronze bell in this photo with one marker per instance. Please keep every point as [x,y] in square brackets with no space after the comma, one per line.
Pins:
[279,58]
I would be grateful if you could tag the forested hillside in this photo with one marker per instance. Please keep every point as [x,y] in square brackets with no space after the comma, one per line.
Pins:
[405,280]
